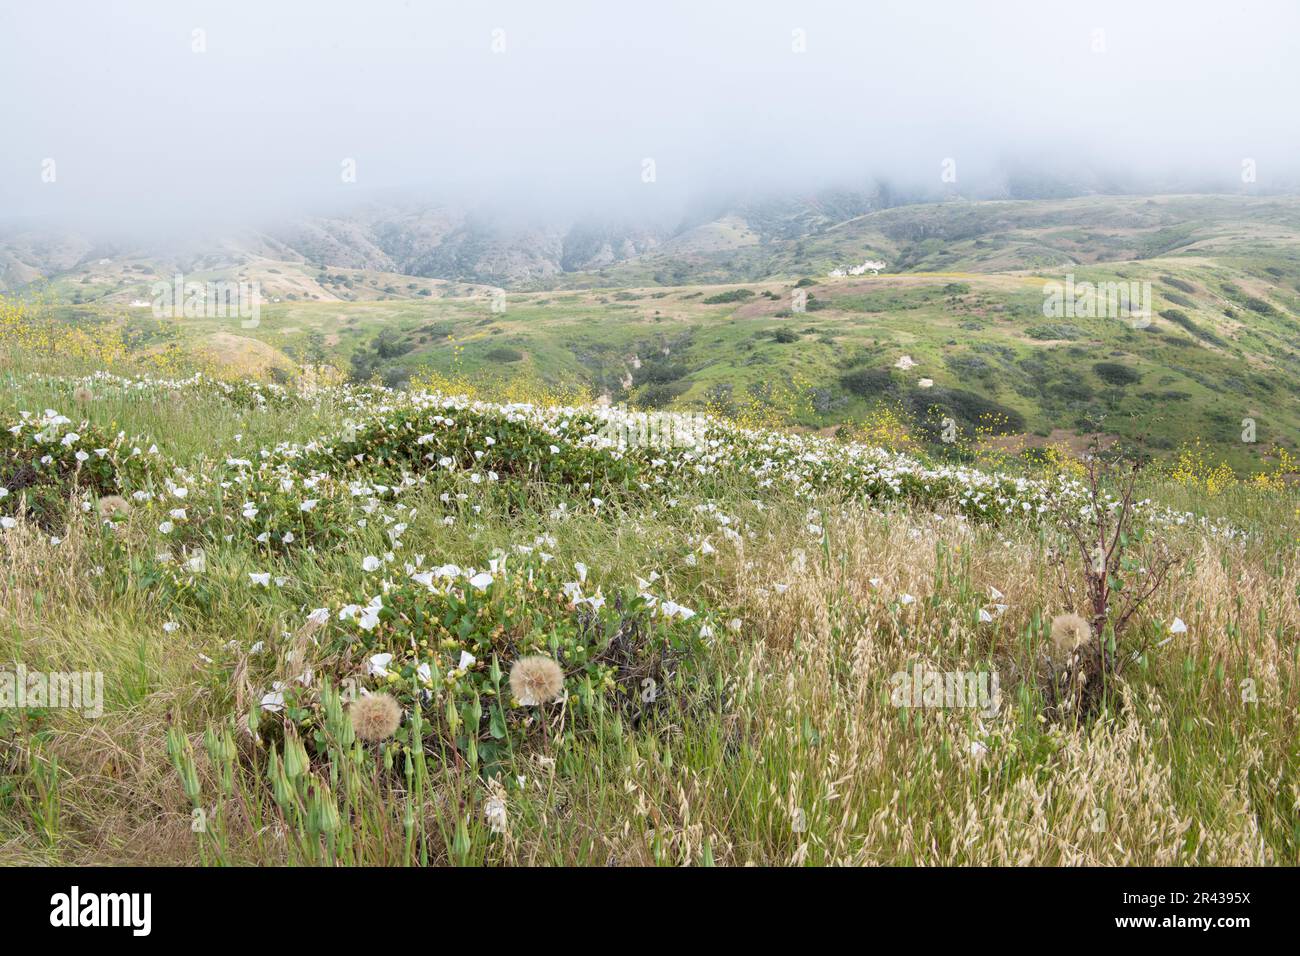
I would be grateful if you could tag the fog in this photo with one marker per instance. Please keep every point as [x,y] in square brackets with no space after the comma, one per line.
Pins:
[555,108]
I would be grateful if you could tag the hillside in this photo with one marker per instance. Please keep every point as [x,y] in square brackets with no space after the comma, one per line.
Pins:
[990,236]
[439,436]
[952,328]
[722,615]
[739,240]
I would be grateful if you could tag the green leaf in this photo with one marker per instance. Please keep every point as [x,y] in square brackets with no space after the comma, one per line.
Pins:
[497,724]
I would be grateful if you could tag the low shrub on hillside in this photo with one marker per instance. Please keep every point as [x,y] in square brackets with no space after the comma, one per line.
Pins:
[451,436]
[46,459]
[660,394]
[1116,374]
[732,295]
[1182,319]
[461,647]
[869,382]
[659,371]
[504,354]
[971,413]
[1178,284]
[1260,306]
[1054,331]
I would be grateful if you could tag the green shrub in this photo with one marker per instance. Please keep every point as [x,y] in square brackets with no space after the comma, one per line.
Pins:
[1182,319]
[503,353]
[444,643]
[869,382]
[967,409]
[1054,331]
[390,344]
[1071,390]
[660,394]
[733,295]
[1113,373]
[45,460]
[659,371]
[1260,306]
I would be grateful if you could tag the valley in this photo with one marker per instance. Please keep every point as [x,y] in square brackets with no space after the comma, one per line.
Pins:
[952,329]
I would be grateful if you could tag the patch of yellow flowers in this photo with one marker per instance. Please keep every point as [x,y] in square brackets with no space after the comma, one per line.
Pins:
[885,426]
[1193,468]
[526,389]
[27,325]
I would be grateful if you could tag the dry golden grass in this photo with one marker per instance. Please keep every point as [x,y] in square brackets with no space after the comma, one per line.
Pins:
[785,749]
[818,766]
[797,754]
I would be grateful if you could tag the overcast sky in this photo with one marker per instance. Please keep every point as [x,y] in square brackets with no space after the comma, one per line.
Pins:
[559,103]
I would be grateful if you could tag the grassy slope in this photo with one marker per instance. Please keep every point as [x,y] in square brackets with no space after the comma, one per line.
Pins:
[784,748]
[967,308]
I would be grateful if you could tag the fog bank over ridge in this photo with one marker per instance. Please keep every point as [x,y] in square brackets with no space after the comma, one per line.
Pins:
[194,116]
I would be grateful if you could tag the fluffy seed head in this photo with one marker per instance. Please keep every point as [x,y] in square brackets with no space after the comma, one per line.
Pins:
[1069,633]
[376,717]
[81,394]
[536,680]
[110,505]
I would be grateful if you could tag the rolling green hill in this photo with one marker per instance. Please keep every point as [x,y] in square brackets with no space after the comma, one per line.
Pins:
[953,327]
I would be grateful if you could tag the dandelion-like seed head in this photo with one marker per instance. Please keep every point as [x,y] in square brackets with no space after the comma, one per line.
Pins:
[536,680]
[111,505]
[1069,633]
[81,394]
[375,717]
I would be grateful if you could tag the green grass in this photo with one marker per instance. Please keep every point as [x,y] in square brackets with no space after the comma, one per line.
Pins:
[963,298]
[777,742]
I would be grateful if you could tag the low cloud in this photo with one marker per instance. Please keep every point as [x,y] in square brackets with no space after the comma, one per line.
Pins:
[175,115]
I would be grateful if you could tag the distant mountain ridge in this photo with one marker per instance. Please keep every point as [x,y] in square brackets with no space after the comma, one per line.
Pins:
[740,240]
[436,241]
